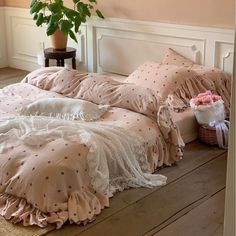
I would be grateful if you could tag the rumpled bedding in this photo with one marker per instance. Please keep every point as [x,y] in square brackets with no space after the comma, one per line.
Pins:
[103,90]
[49,171]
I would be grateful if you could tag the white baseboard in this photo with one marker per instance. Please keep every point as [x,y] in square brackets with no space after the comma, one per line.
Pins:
[117,45]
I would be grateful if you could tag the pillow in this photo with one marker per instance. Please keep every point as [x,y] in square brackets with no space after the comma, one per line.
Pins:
[148,74]
[174,58]
[101,89]
[176,84]
[163,79]
[55,79]
[218,81]
[66,108]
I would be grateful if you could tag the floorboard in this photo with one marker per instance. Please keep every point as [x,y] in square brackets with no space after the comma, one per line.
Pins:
[153,210]
[10,76]
[200,221]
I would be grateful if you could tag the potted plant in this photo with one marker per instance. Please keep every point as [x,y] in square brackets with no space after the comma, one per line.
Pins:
[62,21]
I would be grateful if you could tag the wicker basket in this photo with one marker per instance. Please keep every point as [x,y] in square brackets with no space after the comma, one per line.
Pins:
[208,135]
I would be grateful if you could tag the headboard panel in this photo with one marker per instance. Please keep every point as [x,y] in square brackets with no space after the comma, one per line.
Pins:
[122,45]
[133,49]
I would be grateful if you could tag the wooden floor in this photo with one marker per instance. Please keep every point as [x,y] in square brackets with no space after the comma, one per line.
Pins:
[191,204]
[10,76]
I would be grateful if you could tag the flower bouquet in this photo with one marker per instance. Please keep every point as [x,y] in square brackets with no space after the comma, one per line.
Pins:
[208,108]
[210,114]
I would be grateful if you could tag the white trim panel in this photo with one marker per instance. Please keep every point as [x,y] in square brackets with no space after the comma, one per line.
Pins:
[119,46]
[26,41]
[3,52]
[122,45]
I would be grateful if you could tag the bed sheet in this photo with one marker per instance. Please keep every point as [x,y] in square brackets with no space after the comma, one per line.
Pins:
[187,125]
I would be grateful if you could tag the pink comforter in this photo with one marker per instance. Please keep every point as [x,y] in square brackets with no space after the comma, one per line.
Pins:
[50,183]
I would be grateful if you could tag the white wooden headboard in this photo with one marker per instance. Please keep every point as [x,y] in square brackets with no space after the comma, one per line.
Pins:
[117,45]
[122,45]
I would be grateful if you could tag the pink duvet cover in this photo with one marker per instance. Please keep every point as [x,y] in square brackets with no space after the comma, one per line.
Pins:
[50,183]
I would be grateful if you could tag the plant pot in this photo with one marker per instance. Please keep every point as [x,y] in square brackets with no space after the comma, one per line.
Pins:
[59,40]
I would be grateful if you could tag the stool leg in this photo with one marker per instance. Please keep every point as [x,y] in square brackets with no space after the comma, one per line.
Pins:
[58,62]
[46,61]
[62,62]
[74,63]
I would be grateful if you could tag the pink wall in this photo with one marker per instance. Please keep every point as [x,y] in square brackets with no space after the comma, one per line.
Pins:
[1,2]
[218,13]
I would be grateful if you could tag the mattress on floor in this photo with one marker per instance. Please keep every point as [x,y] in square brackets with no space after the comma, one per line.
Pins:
[187,124]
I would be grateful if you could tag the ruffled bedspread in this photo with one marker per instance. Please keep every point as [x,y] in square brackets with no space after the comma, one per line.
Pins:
[112,160]
[55,170]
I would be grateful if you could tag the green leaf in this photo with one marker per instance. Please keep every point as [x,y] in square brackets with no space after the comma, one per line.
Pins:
[72,35]
[70,14]
[55,18]
[93,1]
[40,19]
[33,2]
[60,2]
[99,14]
[77,24]
[35,16]
[55,8]
[51,29]
[83,9]
[36,7]
[65,26]
[47,19]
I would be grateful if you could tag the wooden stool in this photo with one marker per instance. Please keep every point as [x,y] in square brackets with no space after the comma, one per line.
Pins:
[60,56]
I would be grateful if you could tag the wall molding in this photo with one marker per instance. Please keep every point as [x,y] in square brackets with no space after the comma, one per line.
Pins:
[3,51]
[26,41]
[204,45]
[104,44]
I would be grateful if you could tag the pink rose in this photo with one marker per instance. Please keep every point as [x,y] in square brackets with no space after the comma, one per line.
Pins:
[216,98]
[197,101]
[206,98]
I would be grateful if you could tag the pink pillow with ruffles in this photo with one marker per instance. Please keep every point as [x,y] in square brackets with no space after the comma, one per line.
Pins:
[220,81]
[174,58]
[163,79]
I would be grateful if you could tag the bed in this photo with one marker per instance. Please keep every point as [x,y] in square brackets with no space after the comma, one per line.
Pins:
[185,121]
[64,166]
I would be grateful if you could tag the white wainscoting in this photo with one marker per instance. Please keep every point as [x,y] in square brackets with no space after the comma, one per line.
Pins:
[3,52]
[122,45]
[26,41]
[119,46]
